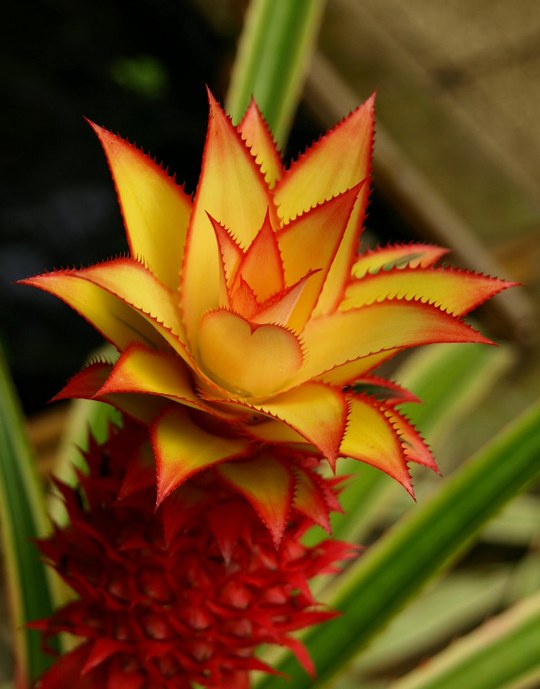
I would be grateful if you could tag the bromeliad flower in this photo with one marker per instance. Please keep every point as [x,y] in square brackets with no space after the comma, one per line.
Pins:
[182,595]
[247,318]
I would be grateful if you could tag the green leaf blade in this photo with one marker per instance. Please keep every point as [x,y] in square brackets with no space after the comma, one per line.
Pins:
[272,59]
[503,651]
[23,518]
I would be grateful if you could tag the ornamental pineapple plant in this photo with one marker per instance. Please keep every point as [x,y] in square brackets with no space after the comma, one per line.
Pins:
[249,331]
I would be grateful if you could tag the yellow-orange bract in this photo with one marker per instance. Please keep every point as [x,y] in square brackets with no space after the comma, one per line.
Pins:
[246,320]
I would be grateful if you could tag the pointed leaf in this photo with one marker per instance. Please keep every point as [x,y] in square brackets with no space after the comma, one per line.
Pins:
[454,291]
[136,285]
[349,372]
[261,266]
[268,485]
[349,335]
[230,252]
[340,160]
[241,205]
[302,655]
[283,309]
[414,446]
[310,498]
[384,390]
[138,288]
[316,411]
[340,270]
[337,162]
[85,383]
[243,299]
[182,448]
[397,256]
[114,319]
[154,373]
[371,438]
[102,649]
[88,384]
[156,210]
[310,242]
[66,672]
[258,138]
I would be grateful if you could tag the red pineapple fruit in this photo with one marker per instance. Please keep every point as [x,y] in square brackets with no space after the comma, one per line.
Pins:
[181,595]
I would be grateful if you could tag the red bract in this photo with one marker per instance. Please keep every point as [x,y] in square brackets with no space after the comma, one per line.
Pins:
[183,594]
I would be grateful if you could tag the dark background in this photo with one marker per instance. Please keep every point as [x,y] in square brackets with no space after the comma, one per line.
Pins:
[138,68]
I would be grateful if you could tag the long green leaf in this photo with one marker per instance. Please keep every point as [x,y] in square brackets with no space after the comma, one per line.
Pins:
[23,518]
[443,611]
[273,54]
[495,656]
[433,534]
